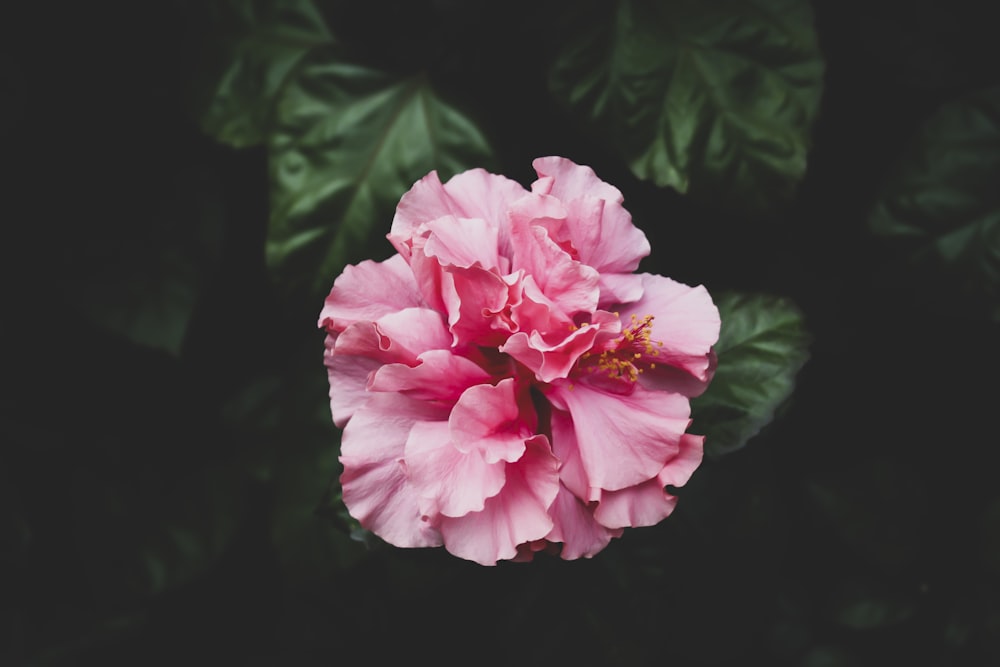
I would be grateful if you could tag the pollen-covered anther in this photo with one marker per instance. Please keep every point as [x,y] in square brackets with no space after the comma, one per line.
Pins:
[623,358]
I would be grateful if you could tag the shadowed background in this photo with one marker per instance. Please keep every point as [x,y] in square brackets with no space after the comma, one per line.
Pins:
[183,181]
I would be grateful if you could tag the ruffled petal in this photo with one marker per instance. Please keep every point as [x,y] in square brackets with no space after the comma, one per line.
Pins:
[448,481]
[480,194]
[477,304]
[623,439]
[574,526]
[572,474]
[471,194]
[348,376]
[439,375]
[603,234]
[465,242]
[488,419]
[375,487]
[686,322]
[570,284]
[547,361]
[369,291]
[518,514]
[619,288]
[567,180]
[648,503]
[398,337]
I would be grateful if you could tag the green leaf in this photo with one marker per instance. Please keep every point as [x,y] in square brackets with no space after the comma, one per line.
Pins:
[251,51]
[311,548]
[762,346]
[284,421]
[347,142]
[715,99]
[940,207]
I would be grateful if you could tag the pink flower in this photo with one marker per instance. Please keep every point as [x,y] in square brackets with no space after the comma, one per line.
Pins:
[505,382]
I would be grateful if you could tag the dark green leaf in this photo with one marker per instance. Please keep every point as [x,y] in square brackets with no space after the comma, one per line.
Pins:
[256,49]
[761,348]
[285,422]
[716,99]
[940,207]
[347,142]
[310,547]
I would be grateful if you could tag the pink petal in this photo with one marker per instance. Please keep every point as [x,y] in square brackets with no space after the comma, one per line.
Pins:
[673,379]
[375,487]
[480,194]
[574,526]
[438,375]
[623,439]
[464,242]
[518,514]
[552,355]
[570,284]
[476,302]
[568,180]
[686,322]
[603,234]
[679,469]
[397,337]
[369,291]
[619,288]
[572,474]
[348,376]
[542,211]
[648,503]
[448,481]
[471,194]
[488,419]
[549,361]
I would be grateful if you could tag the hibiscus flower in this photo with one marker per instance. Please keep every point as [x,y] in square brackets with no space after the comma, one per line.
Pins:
[506,383]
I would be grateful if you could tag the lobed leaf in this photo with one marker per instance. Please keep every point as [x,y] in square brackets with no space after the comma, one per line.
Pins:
[940,207]
[715,99]
[762,346]
[345,140]
[346,143]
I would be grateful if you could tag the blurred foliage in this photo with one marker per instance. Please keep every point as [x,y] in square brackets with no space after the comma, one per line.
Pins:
[344,138]
[940,207]
[185,179]
[706,97]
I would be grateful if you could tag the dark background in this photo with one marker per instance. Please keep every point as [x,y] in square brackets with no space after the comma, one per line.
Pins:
[161,508]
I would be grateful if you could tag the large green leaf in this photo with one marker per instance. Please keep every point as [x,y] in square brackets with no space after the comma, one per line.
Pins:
[712,98]
[940,208]
[253,51]
[345,140]
[761,348]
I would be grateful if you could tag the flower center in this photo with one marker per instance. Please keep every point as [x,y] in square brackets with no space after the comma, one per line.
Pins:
[626,357]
